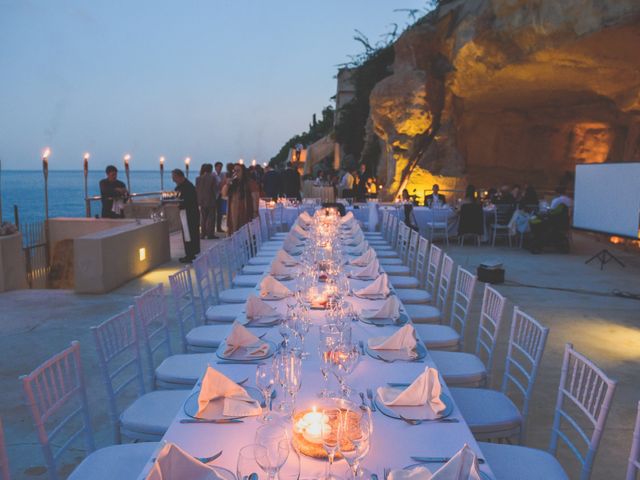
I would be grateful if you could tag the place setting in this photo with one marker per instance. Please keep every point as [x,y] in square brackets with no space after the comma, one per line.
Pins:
[390,313]
[259,314]
[376,290]
[401,346]
[173,462]
[282,272]
[465,464]
[242,346]
[272,289]
[368,272]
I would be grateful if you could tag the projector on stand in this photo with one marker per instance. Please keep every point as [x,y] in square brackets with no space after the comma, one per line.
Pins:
[491,271]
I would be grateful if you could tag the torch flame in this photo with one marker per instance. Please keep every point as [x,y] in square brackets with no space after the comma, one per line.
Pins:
[187,160]
[161,160]
[127,157]
[45,153]
[86,155]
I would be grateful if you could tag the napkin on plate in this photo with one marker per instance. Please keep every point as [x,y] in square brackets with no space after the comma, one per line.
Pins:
[237,402]
[370,271]
[389,309]
[347,218]
[359,249]
[462,466]
[379,287]
[305,217]
[424,390]
[364,259]
[355,239]
[300,232]
[286,259]
[256,308]
[278,269]
[291,243]
[173,463]
[241,337]
[269,286]
[403,339]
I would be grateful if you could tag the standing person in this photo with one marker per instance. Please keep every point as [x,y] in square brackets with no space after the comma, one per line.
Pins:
[243,194]
[271,183]
[113,194]
[291,182]
[435,200]
[189,215]
[346,185]
[360,189]
[206,186]
[220,203]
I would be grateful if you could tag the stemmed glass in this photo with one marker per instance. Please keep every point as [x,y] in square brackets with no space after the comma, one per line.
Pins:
[247,461]
[294,375]
[265,381]
[274,439]
[354,439]
[345,357]
[330,338]
[329,432]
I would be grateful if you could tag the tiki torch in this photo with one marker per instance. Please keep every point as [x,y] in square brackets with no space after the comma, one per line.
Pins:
[187,161]
[127,157]
[162,174]
[87,202]
[45,173]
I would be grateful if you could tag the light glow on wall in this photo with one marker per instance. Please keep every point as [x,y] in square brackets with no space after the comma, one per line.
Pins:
[142,254]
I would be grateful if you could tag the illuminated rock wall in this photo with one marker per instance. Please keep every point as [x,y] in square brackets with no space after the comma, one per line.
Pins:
[505,91]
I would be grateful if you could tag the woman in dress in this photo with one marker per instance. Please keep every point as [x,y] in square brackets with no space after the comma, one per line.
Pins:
[244,195]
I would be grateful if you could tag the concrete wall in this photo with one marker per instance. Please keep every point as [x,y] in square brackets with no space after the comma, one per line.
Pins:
[143,208]
[13,273]
[107,259]
[70,228]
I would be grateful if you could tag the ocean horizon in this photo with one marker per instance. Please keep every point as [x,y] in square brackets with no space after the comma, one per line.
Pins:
[25,188]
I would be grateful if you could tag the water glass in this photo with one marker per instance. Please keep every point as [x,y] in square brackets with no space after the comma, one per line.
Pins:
[274,439]
[247,462]
[329,432]
[265,381]
[354,439]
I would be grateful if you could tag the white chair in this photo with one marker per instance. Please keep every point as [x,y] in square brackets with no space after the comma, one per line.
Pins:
[424,295]
[403,279]
[501,217]
[212,310]
[195,337]
[387,253]
[469,370]
[149,416]
[634,456]
[493,415]
[56,396]
[438,224]
[178,371]
[423,313]
[404,238]
[4,458]
[583,388]
[221,291]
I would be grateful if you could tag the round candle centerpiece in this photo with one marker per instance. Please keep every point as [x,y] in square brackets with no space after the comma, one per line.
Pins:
[308,426]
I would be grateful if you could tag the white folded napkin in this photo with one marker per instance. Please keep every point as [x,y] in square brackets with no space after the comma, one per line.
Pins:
[358,249]
[300,232]
[286,259]
[241,337]
[305,217]
[347,218]
[365,259]
[355,239]
[389,309]
[271,286]
[256,308]
[237,402]
[425,390]
[278,269]
[291,243]
[173,463]
[462,466]
[370,271]
[380,286]
[403,339]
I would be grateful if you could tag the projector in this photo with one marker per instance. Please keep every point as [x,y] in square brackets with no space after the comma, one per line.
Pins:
[491,271]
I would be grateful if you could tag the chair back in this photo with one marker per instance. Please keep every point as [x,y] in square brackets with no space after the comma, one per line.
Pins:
[393,239]
[184,304]
[422,260]
[462,298]
[245,241]
[214,261]
[151,310]
[384,222]
[503,213]
[255,236]
[404,233]
[269,231]
[393,222]
[4,458]
[584,390]
[524,354]
[208,295]
[490,320]
[444,284]
[634,456]
[435,255]
[56,396]
[471,219]
[412,252]
[119,357]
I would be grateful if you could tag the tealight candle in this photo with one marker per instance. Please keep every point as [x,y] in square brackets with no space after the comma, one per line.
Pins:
[312,425]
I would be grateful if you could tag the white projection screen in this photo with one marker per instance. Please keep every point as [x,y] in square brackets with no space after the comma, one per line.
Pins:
[607,198]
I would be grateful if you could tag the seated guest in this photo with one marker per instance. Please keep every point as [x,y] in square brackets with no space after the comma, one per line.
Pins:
[436,199]
[469,195]
[271,183]
[530,198]
[113,194]
[405,197]
[504,197]
[561,198]
[516,192]
[410,217]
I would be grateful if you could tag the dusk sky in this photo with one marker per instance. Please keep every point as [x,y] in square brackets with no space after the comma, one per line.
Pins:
[213,80]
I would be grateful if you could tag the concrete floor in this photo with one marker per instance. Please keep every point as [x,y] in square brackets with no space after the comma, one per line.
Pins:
[37,324]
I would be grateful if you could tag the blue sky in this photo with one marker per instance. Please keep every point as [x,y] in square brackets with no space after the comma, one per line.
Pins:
[213,80]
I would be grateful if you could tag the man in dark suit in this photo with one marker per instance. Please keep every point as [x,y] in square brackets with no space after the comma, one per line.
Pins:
[112,190]
[435,199]
[220,202]
[206,189]
[291,182]
[360,187]
[271,183]
[189,215]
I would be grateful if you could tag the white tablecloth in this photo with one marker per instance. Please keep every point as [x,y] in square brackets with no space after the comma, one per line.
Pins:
[325,193]
[393,441]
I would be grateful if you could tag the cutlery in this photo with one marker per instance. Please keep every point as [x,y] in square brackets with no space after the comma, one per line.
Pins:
[415,421]
[374,476]
[201,459]
[370,397]
[438,459]
[361,344]
[364,403]
[398,385]
[219,420]
[386,360]
[239,362]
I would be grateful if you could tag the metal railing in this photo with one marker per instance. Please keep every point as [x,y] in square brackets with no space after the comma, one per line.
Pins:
[132,196]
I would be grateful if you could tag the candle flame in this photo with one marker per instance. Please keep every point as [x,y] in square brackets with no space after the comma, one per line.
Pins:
[187,161]
[127,157]
[161,160]
[253,162]
[45,153]
[86,155]
[241,161]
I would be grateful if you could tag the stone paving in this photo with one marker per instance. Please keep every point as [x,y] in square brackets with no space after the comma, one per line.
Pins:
[38,323]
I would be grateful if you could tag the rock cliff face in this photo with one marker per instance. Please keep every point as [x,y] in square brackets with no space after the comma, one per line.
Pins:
[501,91]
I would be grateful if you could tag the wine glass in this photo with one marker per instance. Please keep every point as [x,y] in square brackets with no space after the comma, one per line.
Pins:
[247,464]
[274,438]
[329,433]
[330,337]
[294,375]
[354,439]
[265,381]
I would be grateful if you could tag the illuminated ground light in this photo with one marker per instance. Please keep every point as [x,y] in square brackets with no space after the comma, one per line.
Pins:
[619,342]
[142,254]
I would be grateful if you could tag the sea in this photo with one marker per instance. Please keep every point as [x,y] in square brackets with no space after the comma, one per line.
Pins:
[25,189]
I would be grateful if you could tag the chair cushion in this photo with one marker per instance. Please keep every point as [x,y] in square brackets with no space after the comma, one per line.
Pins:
[255,269]
[261,261]
[208,336]
[224,313]
[183,370]
[487,412]
[378,242]
[152,413]
[421,313]
[116,461]
[386,253]
[402,281]
[390,261]
[413,295]
[277,244]
[236,295]
[512,462]
[438,336]
[246,280]
[397,270]
[459,368]
[372,234]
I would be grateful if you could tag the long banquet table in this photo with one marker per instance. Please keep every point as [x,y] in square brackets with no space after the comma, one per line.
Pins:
[393,441]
